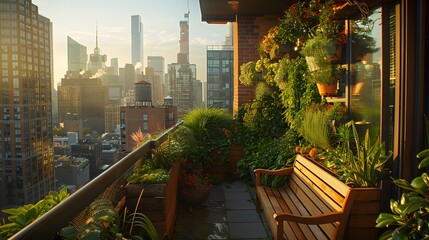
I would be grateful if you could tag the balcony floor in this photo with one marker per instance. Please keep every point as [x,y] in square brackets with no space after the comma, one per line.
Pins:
[229,213]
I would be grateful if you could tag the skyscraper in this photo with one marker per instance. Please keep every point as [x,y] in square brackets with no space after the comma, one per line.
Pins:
[115,66]
[158,65]
[76,55]
[182,75]
[26,140]
[97,61]
[183,55]
[136,40]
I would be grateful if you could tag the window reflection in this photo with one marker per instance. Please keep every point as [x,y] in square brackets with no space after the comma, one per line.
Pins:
[365,72]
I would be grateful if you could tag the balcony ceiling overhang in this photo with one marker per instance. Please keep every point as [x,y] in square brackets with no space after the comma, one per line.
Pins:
[222,11]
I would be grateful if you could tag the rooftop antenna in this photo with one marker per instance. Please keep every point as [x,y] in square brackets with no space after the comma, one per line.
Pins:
[96,33]
[187,14]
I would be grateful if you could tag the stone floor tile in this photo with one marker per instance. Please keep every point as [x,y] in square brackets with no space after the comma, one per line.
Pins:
[237,196]
[247,230]
[242,216]
[234,187]
[239,204]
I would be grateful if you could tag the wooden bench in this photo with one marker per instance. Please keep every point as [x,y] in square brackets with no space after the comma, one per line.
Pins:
[314,204]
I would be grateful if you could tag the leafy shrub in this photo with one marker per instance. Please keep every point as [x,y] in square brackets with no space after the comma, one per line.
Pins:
[360,162]
[147,175]
[270,153]
[410,215]
[298,93]
[22,216]
[248,74]
[201,133]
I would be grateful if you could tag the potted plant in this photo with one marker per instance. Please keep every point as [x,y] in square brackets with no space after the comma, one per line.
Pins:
[201,134]
[193,185]
[409,217]
[300,22]
[360,162]
[318,52]
[158,178]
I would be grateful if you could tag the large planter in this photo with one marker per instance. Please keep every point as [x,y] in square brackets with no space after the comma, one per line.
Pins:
[218,171]
[364,212]
[158,202]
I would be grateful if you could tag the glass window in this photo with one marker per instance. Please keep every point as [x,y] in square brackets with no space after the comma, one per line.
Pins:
[365,72]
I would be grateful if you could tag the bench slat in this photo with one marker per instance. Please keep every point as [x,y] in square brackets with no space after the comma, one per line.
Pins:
[297,208]
[328,191]
[269,199]
[329,179]
[296,230]
[297,192]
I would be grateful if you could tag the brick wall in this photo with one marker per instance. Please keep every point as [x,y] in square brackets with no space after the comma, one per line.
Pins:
[248,31]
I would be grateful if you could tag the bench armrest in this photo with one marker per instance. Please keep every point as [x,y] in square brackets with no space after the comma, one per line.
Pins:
[259,172]
[310,220]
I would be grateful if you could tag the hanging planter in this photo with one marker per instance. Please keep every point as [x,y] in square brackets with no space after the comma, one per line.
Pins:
[327,90]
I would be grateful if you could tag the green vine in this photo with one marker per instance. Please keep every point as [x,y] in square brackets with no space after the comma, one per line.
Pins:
[298,91]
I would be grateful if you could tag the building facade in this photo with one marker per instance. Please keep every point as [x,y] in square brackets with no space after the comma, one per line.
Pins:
[72,171]
[198,94]
[92,151]
[158,65]
[220,76]
[26,140]
[111,116]
[143,116]
[181,78]
[84,98]
[136,40]
[157,86]
[127,77]
[77,55]
[147,119]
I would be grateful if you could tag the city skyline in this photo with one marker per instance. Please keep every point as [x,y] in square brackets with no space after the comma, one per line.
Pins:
[161,31]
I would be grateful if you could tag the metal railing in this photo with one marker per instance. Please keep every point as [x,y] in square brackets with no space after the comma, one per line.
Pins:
[48,225]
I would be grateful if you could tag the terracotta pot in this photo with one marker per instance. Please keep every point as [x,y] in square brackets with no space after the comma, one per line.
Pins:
[327,90]
[193,199]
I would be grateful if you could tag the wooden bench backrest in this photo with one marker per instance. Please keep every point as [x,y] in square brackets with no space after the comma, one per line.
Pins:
[319,192]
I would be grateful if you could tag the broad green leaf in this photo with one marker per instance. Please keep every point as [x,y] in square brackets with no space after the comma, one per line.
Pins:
[385,219]
[394,207]
[424,162]
[69,232]
[387,235]
[403,184]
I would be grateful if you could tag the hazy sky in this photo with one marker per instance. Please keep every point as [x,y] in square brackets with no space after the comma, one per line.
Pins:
[160,18]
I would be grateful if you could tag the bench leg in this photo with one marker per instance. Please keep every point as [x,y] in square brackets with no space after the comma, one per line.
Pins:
[258,204]
[279,231]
